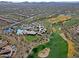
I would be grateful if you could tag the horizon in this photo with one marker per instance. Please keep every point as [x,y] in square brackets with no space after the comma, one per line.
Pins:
[40,1]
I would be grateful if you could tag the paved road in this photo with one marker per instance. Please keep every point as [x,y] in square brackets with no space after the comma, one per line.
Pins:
[21,21]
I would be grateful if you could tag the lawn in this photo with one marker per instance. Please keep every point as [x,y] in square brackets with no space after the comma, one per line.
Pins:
[31,37]
[58,46]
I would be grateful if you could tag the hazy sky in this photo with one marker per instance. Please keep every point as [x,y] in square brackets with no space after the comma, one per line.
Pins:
[40,0]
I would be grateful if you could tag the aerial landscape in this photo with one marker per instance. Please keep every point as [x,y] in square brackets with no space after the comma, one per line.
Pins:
[39,29]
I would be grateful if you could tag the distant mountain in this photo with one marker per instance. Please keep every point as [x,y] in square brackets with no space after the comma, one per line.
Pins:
[34,7]
[42,3]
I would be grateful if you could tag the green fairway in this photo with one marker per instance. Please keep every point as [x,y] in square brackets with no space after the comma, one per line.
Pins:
[58,46]
[35,51]
[71,22]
